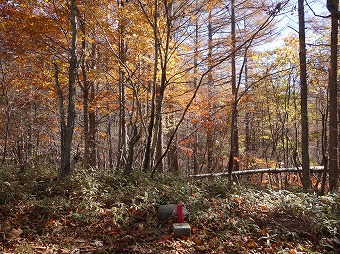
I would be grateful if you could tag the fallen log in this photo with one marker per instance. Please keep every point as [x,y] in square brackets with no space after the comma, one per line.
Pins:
[258,171]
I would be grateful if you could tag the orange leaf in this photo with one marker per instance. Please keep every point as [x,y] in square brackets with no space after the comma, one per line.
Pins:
[251,244]
[197,240]
[133,210]
[264,207]
[49,223]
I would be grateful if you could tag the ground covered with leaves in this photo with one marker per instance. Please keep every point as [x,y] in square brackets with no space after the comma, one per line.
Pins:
[97,212]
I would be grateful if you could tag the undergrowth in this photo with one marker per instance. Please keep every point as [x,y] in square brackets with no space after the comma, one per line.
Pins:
[120,213]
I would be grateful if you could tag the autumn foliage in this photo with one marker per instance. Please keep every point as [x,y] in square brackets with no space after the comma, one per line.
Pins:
[152,86]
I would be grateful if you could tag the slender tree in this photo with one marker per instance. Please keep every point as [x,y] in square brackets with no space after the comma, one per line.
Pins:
[67,126]
[88,90]
[333,6]
[304,96]
[148,149]
[210,140]
[122,49]
[234,130]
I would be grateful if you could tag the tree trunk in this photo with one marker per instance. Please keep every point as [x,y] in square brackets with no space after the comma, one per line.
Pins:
[210,141]
[89,113]
[173,156]
[92,128]
[148,153]
[234,150]
[159,146]
[122,47]
[160,89]
[158,132]
[85,90]
[306,182]
[324,116]
[109,131]
[173,153]
[68,128]
[195,149]
[135,137]
[4,155]
[248,123]
[332,85]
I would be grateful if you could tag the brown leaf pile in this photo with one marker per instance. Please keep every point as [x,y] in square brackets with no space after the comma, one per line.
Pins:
[77,220]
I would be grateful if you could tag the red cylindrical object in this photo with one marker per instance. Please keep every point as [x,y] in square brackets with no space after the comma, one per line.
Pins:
[180,218]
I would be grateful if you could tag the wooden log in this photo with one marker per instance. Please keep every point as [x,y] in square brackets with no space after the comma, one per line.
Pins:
[258,171]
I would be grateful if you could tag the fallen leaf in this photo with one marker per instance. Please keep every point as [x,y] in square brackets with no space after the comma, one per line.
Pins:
[264,208]
[251,244]
[133,210]
[49,223]
[108,212]
[13,234]
[197,240]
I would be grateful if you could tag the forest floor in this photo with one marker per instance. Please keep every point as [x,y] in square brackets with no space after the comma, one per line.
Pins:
[95,212]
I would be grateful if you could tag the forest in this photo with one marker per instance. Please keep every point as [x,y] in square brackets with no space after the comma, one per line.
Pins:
[111,108]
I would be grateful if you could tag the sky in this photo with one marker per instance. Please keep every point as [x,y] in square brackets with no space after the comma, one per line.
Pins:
[289,21]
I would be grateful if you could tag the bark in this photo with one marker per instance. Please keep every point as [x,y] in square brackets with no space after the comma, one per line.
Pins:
[159,145]
[122,143]
[165,56]
[324,116]
[92,128]
[160,89]
[4,154]
[173,157]
[89,113]
[173,154]
[234,150]
[195,149]
[306,182]
[210,141]
[134,139]
[148,154]
[109,131]
[7,127]
[67,128]
[247,141]
[85,90]
[332,86]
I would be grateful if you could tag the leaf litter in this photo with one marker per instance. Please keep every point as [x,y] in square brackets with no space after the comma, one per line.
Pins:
[106,213]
